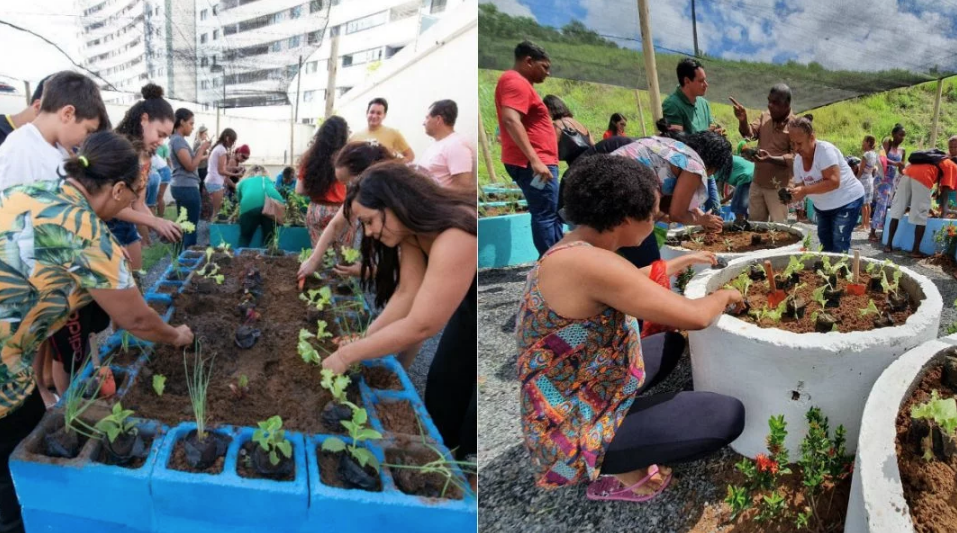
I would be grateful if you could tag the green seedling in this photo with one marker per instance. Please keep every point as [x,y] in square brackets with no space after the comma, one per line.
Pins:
[336,384]
[159,384]
[306,350]
[441,465]
[806,243]
[697,239]
[77,400]
[742,283]
[243,381]
[321,332]
[871,309]
[329,258]
[350,255]
[305,254]
[728,245]
[117,423]
[795,266]
[272,439]
[738,500]
[818,295]
[126,339]
[942,412]
[175,249]
[773,315]
[359,433]
[197,382]
[318,298]
[891,287]
[869,269]
[223,245]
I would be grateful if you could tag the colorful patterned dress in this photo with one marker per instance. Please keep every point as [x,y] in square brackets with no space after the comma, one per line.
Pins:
[884,188]
[579,378]
[659,153]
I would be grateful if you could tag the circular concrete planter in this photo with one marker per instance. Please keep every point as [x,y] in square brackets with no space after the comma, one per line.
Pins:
[877,503]
[672,252]
[774,372]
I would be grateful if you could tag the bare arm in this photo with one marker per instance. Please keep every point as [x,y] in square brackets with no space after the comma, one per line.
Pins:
[679,210]
[464,181]
[336,226]
[831,181]
[408,155]
[411,263]
[512,122]
[190,163]
[129,311]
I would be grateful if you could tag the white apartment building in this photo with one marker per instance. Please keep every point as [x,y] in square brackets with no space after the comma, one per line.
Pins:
[370,32]
[131,42]
[249,50]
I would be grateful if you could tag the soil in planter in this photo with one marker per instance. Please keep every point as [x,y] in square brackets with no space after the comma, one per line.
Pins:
[279,381]
[397,417]
[103,456]
[166,289]
[121,357]
[847,314]
[515,209]
[246,468]
[381,378]
[741,241]
[415,482]
[159,307]
[62,444]
[329,471]
[179,461]
[930,488]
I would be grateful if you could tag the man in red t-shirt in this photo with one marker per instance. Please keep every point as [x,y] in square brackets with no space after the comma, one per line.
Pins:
[529,145]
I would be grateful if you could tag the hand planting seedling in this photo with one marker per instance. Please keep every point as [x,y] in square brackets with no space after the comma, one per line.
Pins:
[340,408]
[272,442]
[159,384]
[354,472]
[742,283]
[933,425]
[350,256]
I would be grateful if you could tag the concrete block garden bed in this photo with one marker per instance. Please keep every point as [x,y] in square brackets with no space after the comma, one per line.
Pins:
[774,371]
[291,239]
[260,340]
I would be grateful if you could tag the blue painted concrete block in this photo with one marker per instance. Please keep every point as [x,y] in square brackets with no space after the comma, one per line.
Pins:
[505,240]
[904,236]
[291,239]
[39,521]
[227,502]
[81,487]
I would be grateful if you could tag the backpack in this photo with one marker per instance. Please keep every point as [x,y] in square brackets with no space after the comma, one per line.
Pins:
[929,157]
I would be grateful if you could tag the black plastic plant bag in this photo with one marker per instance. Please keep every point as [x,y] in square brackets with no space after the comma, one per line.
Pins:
[354,475]
[201,455]
[247,336]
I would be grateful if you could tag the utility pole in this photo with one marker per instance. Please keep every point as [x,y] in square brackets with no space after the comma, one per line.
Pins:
[333,68]
[694,29]
[486,152]
[295,117]
[648,50]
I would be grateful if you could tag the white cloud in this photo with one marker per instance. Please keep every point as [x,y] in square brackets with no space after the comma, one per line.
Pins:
[513,8]
[28,57]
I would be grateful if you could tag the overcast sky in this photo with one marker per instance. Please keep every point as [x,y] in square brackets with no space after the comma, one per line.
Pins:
[839,34]
[26,57]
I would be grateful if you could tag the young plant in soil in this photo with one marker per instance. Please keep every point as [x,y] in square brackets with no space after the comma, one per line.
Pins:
[441,467]
[318,298]
[159,384]
[241,387]
[350,255]
[124,442]
[874,285]
[806,243]
[202,448]
[65,442]
[795,306]
[871,309]
[934,423]
[774,315]
[306,350]
[352,468]
[823,321]
[681,281]
[728,245]
[895,300]
[340,409]
[176,248]
[272,442]
[742,283]
[329,259]
[305,254]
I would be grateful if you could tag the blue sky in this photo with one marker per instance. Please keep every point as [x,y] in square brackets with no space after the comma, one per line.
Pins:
[839,34]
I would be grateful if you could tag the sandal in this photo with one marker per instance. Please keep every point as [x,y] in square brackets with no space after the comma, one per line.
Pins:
[609,488]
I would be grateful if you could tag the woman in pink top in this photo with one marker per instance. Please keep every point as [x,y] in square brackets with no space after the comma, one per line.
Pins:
[218,168]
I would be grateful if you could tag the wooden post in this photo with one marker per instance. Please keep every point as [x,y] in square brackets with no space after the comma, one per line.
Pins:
[27,92]
[333,68]
[641,114]
[218,108]
[292,133]
[295,117]
[933,130]
[486,152]
[648,50]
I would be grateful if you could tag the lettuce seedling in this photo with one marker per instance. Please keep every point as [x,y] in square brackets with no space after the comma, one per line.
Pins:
[318,298]
[359,433]
[159,384]
[942,412]
[742,283]
[306,350]
[871,309]
[272,438]
[350,255]
[117,423]
[771,314]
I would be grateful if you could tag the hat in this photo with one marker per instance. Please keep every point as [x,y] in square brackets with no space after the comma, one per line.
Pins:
[244,149]
[202,128]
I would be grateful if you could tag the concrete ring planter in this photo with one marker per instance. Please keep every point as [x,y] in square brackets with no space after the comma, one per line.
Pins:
[877,503]
[673,252]
[773,371]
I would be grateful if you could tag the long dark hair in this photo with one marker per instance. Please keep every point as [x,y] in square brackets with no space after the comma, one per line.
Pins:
[227,135]
[182,115]
[356,157]
[153,104]
[107,158]
[613,122]
[318,172]
[556,107]
[418,202]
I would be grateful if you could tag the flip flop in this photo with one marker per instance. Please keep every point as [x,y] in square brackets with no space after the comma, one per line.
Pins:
[608,488]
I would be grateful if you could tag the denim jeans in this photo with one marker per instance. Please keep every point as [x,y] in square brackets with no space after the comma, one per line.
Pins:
[739,201]
[542,205]
[188,197]
[834,226]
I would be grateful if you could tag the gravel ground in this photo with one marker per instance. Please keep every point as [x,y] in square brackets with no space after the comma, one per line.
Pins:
[418,371]
[509,500]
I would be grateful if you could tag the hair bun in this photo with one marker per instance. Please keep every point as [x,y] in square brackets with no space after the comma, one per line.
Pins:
[809,117]
[151,91]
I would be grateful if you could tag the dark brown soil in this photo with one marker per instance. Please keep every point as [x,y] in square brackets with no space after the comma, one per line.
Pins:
[946,262]
[124,358]
[381,378]
[515,209]
[397,417]
[930,488]
[159,307]
[740,241]
[329,470]
[244,466]
[848,314]
[414,482]
[177,461]
[166,289]
[279,381]
[104,457]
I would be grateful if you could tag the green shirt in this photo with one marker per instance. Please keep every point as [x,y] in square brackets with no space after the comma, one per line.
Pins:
[251,192]
[679,111]
[742,171]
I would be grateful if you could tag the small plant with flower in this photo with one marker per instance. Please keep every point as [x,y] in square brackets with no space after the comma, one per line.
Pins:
[176,248]
[945,240]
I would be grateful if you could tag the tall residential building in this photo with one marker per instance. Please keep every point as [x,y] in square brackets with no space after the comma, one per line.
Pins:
[370,32]
[131,42]
[249,50]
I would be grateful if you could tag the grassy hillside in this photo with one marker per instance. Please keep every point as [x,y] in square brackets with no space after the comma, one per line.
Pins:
[845,123]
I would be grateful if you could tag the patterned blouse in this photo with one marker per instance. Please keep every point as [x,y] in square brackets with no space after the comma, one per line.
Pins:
[579,378]
[659,153]
[53,249]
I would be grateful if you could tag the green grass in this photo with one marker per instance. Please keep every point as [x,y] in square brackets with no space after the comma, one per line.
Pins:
[844,123]
[159,250]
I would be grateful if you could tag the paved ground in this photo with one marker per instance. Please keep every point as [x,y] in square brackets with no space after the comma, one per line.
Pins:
[509,501]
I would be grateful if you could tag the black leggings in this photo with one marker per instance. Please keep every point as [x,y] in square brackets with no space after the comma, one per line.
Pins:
[672,427]
[450,394]
[249,222]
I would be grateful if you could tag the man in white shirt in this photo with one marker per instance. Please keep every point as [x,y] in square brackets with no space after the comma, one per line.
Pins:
[451,160]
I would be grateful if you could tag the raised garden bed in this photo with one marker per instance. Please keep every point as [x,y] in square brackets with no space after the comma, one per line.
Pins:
[291,239]
[775,371]
[895,490]
[246,387]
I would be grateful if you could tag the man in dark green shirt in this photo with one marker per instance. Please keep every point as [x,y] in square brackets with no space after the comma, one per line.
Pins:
[739,176]
[686,109]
